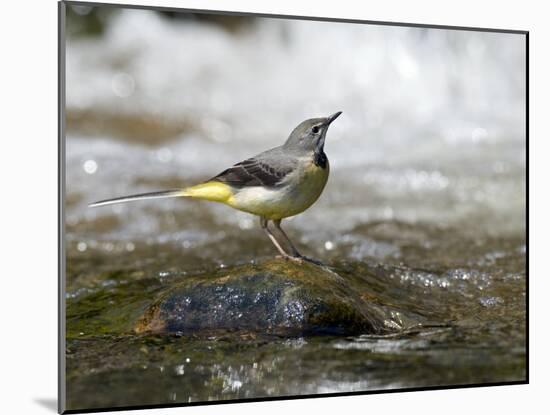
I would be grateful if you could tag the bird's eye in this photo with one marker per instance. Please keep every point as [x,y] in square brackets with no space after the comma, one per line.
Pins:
[315,130]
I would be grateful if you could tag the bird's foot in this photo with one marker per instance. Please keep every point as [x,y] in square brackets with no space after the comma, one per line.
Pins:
[312,260]
[300,259]
[297,259]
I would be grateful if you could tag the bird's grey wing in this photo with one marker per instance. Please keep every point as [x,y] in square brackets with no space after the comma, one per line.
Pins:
[263,170]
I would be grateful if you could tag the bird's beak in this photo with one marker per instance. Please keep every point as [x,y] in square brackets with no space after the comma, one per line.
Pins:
[321,141]
[333,117]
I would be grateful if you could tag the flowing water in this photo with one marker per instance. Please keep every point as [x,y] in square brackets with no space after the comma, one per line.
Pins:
[425,204]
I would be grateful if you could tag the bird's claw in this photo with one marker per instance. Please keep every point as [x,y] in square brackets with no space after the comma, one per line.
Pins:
[297,259]
[313,261]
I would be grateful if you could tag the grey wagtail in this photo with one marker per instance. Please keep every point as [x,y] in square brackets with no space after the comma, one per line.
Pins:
[273,185]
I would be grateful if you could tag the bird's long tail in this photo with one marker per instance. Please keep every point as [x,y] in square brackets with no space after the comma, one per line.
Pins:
[212,190]
[142,196]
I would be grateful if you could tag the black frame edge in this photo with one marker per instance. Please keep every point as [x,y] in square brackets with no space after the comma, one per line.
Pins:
[527,207]
[61,346]
[295,17]
[291,397]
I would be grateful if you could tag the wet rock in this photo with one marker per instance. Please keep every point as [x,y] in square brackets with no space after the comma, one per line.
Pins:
[275,297]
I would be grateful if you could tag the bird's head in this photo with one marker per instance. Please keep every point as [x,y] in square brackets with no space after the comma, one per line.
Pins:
[310,134]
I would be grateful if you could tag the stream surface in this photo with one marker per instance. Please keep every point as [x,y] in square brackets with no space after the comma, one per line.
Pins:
[424,210]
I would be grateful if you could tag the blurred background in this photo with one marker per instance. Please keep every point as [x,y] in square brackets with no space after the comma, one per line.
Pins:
[425,204]
[433,128]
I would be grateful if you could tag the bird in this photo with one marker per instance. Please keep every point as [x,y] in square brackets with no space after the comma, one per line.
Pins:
[276,184]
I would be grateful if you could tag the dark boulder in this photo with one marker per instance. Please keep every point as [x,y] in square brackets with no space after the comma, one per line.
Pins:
[274,297]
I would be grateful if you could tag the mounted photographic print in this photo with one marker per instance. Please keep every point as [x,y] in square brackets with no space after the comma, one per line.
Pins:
[258,207]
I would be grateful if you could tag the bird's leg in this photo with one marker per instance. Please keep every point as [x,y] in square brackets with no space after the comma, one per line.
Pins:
[263,224]
[295,252]
[296,256]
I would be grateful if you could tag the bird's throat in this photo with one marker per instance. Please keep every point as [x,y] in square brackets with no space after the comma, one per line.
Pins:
[320,158]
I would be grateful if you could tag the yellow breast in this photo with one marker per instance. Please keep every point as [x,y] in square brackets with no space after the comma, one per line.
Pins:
[300,190]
